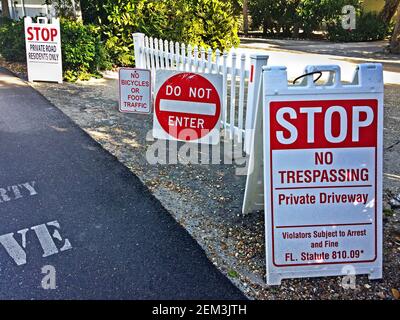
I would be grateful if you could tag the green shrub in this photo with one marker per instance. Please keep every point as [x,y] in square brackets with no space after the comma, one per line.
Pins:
[313,13]
[5,20]
[84,54]
[210,23]
[93,11]
[127,17]
[12,41]
[286,17]
[274,16]
[82,50]
[369,27]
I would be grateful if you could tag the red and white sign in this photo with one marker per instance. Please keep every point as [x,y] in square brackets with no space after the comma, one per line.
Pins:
[43,49]
[134,90]
[187,106]
[322,178]
[323,172]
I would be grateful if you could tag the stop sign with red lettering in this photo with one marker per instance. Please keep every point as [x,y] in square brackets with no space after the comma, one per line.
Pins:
[43,49]
[316,163]
[187,106]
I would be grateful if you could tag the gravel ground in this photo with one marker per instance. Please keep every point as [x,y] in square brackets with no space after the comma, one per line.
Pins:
[207,199]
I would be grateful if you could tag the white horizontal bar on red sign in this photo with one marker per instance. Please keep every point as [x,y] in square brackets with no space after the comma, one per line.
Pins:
[190,107]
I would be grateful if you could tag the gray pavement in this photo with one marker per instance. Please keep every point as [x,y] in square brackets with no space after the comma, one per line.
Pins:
[68,206]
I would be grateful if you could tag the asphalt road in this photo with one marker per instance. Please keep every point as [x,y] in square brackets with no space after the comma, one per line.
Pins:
[70,212]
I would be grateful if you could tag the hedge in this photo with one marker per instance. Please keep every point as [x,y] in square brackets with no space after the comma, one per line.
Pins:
[210,23]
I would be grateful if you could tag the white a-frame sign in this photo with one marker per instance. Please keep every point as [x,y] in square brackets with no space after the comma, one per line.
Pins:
[43,49]
[316,170]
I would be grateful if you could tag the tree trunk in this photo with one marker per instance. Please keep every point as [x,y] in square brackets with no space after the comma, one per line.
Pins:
[5,9]
[245,17]
[395,40]
[389,10]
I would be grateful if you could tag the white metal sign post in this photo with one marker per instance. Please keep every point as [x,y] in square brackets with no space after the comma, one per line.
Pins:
[187,106]
[43,49]
[323,174]
[134,90]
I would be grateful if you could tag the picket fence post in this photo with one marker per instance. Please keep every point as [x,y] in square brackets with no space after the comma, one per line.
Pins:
[257,61]
[138,43]
[237,114]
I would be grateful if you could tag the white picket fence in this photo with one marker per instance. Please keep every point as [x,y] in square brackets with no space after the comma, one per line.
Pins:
[238,107]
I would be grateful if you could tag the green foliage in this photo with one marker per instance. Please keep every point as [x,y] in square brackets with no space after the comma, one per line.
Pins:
[4,20]
[313,13]
[12,40]
[233,274]
[274,16]
[93,11]
[388,212]
[369,27]
[285,17]
[127,17]
[83,52]
[210,23]
[237,6]
[213,25]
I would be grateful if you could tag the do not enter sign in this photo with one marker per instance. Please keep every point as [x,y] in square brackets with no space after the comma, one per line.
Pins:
[187,106]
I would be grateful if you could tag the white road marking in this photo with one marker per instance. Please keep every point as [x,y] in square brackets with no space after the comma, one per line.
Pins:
[30,187]
[14,250]
[45,239]
[18,191]
[46,234]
